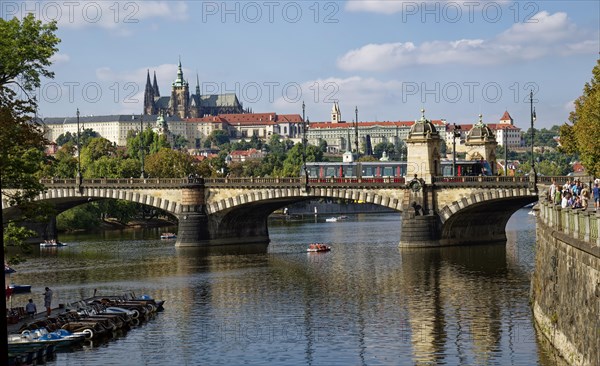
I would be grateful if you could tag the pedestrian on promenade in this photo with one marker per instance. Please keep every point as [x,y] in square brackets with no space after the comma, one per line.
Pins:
[30,308]
[48,301]
[596,194]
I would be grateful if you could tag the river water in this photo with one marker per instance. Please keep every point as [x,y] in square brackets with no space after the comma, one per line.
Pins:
[366,302]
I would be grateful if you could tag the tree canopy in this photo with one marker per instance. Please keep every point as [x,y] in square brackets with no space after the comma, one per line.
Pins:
[26,48]
[582,135]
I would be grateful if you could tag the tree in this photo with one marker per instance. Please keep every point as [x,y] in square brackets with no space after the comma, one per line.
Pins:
[388,147]
[97,148]
[217,138]
[26,47]
[168,163]
[149,140]
[583,134]
[25,52]
[84,137]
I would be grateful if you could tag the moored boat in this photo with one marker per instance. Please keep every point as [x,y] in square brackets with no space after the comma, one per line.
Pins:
[52,243]
[19,289]
[168,236]
[318,247]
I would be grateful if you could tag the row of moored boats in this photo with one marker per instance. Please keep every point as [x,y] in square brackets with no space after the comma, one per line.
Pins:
[95,318]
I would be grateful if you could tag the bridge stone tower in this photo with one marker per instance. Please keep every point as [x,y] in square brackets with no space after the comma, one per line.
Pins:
[420,224]
[481,142]
[423,144]
[193,219]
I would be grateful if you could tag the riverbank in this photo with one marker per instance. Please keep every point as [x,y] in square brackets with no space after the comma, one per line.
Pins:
[112,224]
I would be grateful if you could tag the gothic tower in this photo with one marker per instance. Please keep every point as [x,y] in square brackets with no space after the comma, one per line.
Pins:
[149,106]
[155,87]
[180,96]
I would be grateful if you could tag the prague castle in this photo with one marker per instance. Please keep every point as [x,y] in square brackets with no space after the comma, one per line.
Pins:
[184,105]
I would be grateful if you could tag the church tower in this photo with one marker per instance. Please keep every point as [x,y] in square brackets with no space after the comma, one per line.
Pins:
[336,115]
[180,96]
[149,106]
[155,87]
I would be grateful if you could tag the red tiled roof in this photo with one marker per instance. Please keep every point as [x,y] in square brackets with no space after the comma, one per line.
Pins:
[250,118]
[505,116]
[328,125]
[289,118]
[501,126]
[215,119]
[243,152]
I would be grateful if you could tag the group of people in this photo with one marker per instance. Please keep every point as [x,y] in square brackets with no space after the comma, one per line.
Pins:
[575,194]
[31,308]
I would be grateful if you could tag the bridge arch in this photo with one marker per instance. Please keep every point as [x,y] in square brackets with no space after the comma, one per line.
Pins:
[482,215]
[63,199]
[391,198]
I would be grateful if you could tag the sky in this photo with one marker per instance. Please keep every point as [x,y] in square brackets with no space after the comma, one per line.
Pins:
[389,59]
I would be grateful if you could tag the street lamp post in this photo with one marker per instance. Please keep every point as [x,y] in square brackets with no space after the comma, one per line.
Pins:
[143,175]
[532,115]
[79,175]
[304,143]
[455,134]
[504,132]
[356,132]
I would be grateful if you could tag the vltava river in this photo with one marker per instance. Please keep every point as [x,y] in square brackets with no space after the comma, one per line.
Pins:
[364,303]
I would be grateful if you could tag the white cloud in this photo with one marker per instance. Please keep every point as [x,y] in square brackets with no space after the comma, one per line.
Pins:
[60,58]
[102,14]
[377,6]
[407,6]
[547,34]
[367,93]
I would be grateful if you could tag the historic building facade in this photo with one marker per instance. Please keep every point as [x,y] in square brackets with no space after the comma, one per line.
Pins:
[180,103]
[342,136]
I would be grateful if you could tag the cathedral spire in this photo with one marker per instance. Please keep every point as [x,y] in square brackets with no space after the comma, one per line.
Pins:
[148,95]
[197,85]
[179,81]
[155,86]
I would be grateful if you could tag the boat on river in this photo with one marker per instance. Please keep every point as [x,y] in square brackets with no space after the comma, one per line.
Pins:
[14,289]
[168,236]
[336,218]
[318,247]
[20,289]
[59,338]
[52,244]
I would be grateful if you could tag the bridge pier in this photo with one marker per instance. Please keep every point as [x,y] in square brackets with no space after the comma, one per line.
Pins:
[420,231]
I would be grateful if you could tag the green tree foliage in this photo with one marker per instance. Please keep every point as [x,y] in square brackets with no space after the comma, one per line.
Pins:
[26,47]
[84,217]
[216,138]
[583,134]
[292,164]
[168,163]
[388,147]
[25,50]
[179,142]
[97,148]
[150,140]
[84,137]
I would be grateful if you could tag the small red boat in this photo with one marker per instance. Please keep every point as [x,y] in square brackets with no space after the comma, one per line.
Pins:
[318,247]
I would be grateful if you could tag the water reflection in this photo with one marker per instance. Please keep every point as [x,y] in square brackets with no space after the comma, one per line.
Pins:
[366,302]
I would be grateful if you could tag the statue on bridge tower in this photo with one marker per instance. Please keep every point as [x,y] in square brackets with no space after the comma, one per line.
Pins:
[481,142]
[423,145]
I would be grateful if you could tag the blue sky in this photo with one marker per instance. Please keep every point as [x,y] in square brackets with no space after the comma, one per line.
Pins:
[390,58]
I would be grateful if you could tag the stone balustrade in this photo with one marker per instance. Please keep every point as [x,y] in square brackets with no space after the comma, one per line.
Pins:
[578,224]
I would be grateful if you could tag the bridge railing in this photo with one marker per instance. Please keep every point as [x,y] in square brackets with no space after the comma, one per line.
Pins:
[120,182]
[579,224]
[469,181]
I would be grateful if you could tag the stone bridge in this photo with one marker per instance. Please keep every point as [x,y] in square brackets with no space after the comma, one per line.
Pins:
[446,211]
